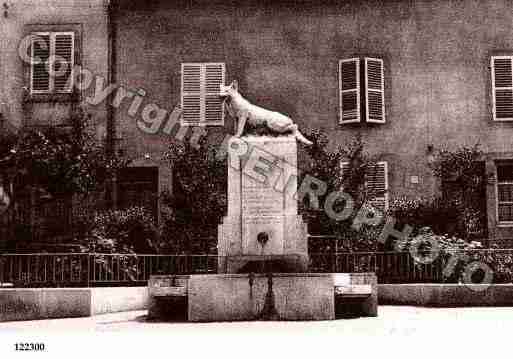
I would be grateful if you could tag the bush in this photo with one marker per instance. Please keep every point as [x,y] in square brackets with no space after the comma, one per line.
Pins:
[324,165]
[441,216]
[193,211]
[130,230]
[463,177]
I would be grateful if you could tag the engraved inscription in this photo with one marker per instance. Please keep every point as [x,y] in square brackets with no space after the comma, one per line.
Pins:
[261,201]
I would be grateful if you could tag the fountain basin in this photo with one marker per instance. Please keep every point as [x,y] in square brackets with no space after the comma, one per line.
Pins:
[272,296]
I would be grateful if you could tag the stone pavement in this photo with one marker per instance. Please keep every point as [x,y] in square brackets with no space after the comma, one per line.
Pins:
[401,320]
[412,331]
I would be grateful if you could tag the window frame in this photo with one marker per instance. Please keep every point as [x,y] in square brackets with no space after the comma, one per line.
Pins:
[385,195]
[51,56]
[357,60]
[494,88]
[202,93]
[382,91]
[498,202]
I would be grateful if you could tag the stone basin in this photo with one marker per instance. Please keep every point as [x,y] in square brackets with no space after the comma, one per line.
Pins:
[269,296]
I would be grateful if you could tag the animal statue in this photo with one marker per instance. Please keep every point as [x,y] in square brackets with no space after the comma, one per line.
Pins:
[247,113]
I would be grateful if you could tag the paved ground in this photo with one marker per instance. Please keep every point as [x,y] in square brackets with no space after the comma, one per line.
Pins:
[402,320]
[416,331]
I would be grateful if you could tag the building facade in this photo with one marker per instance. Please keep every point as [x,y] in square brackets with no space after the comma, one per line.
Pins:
[411,76]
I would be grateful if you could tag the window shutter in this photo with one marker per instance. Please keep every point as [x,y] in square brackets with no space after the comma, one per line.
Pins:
[376,178]
[349,85]
[374,90]
[214,104]
[201,103]
[39,76]
[64,51]
[344,166]
[502,88]
[191,93]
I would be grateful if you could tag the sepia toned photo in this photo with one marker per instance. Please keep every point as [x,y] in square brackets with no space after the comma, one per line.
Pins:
[307,178]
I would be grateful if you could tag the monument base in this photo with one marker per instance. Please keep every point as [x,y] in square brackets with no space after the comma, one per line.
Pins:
[271,296]
[262,217]
[286,263]
[291,250]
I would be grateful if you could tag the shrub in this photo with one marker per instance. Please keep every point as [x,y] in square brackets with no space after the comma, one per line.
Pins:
[463,177]
[325,165]
[192,212]
[441,216]
[129,230]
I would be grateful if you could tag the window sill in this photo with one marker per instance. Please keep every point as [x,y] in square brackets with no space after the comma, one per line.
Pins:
[201,124]
[505,225]
[52,98]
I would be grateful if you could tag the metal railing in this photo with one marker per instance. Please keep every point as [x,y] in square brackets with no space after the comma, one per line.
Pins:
[403,267]
[97,269]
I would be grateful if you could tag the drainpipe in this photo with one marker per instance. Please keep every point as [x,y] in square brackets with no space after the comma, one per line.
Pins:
[112,6]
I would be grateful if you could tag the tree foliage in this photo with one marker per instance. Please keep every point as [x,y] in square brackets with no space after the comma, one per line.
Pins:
[325,165]
[198,201]
[55,160]
[464,182]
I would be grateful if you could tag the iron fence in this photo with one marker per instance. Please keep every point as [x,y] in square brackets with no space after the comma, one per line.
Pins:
[98,269]
[403,267]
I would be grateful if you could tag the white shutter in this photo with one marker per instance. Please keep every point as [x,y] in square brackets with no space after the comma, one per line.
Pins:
[376,179]
[344,166]
[201,104]
[64,50]
[502,88]
[214,104]
[39,76]
[191,93]
[349,86]
[374,90]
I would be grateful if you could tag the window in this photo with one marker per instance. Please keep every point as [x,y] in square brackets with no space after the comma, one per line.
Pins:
[138,187]
[502,88]
[201,104]
[53,58]
[351,94]
[376,182]
[505,192]
[349,84]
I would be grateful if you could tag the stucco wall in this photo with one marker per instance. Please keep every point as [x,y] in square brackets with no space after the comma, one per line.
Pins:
[88,16]
[285,57]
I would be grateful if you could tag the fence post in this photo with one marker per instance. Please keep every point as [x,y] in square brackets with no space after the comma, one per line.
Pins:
[88,278]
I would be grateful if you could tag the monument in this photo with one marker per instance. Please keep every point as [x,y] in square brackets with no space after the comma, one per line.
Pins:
[262,223]
[262,240]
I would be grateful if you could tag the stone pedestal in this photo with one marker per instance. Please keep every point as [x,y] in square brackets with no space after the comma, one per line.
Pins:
[262,219]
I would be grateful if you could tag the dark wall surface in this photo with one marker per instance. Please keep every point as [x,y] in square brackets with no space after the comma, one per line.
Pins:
[285,56]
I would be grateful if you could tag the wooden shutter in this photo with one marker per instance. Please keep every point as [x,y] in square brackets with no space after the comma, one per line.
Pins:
[39,76]
[344,166]
[374,90]
[191,93]
[349,85]
[502,88]
[201,104]
[214,108]
[376,179]
[64,51]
